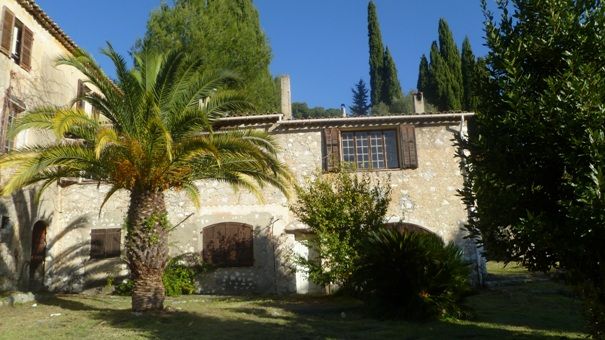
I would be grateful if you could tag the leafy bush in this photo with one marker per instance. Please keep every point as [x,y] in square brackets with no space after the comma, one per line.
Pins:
[179,276]
[411,275]
[339,209]
[124,288]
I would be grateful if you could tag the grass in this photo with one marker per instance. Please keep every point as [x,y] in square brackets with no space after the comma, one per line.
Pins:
[530,310]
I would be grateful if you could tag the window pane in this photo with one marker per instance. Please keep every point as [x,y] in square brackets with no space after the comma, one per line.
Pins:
[363,154]
[377,150]
[348,147]
[390,140]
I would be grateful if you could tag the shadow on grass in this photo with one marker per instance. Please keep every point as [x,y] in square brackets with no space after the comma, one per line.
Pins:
[269,318]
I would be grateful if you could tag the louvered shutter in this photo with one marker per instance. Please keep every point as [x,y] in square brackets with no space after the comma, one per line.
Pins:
[97,243]
[8,22]
[409,157]
[27,41]
[332,139]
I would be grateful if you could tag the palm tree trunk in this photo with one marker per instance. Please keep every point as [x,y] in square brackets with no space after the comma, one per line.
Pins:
[147,248]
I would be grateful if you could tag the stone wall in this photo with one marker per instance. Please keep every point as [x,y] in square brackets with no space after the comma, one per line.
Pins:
[425,196]
[44,84]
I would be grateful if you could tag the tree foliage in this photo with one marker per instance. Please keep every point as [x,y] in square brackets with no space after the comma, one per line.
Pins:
[376,55]
[469,69]
[538,153]
[447,81]
[361,106]
[340,209]
[151,135]
[391,89]
[226,35]
[303,111]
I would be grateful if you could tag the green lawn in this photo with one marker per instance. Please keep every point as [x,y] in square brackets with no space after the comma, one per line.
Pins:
[532,310]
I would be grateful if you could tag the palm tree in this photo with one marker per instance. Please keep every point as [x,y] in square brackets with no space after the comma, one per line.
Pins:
[154,132]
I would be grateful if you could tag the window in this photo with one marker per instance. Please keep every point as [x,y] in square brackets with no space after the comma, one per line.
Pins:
[105,243]
[6,222]
[17,40]
[12,108]
[370,149]
[392,148]
[228,245]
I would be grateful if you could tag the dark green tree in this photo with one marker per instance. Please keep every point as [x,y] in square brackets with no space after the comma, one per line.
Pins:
[376,55]
[537,156]
[437,79]
[450,90]
[225,34]
[360,106]
[469,101]
[423,83]
[391,89]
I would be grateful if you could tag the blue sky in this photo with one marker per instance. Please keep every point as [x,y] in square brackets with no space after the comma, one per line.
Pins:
[321,44]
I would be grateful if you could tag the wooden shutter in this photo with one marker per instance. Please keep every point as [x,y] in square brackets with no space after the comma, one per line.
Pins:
[407,148]
[8,22]
[27,41]
[97,243]
[105,243]
[332,138]
[80,93]
[112,245]
[228,245]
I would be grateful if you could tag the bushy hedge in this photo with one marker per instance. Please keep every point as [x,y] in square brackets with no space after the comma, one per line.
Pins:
[412,275]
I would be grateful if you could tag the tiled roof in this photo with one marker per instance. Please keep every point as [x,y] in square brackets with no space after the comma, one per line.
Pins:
[277,123]
[32,7]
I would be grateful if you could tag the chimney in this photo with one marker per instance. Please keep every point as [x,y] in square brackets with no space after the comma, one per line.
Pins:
[418,103]
[343,110]
[286,96]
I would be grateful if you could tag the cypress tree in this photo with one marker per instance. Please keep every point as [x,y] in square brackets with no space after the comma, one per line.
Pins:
[376,55]
[423,76]
[452,74]
[468,76]
[437,79]
[360,106]
[391,89]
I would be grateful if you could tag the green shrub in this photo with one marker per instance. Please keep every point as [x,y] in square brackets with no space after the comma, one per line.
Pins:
[411,275]
[340,209]
[124,288]
[179,276]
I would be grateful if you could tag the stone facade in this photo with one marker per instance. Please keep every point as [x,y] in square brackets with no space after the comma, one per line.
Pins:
[43,83]
[68,212]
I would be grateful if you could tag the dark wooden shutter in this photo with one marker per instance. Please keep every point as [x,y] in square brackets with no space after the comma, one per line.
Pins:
[80,104]
[105,243]
[27,41]
[228,245]
[407,148]
[97,243]
[8,22]
[332,138]
[112,245]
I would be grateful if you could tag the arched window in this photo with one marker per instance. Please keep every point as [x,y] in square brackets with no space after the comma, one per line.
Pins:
[228,244]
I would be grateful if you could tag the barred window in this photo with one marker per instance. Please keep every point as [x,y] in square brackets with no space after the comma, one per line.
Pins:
[371,149]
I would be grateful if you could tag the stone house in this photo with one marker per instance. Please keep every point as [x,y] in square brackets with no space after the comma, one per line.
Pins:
[64,243]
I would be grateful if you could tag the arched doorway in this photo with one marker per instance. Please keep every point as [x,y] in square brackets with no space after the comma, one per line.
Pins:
[405,227]
[38,254]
